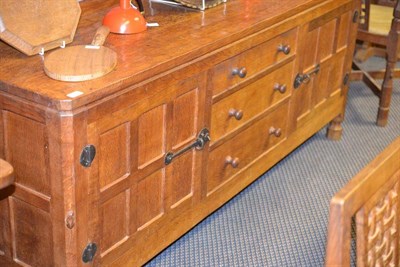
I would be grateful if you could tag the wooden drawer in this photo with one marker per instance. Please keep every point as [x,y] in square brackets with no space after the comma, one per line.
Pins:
[252,61]
[242,106]
[237,153]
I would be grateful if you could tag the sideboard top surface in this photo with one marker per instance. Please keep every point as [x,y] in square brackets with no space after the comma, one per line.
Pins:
[183,35]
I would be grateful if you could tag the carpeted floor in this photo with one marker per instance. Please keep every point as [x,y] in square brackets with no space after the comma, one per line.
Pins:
[281,219]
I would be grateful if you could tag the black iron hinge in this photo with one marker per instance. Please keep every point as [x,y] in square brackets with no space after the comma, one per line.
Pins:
[87,155]
[89,252]
[355,16]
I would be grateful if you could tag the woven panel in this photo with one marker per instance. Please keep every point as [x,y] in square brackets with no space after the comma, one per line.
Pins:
[378,229]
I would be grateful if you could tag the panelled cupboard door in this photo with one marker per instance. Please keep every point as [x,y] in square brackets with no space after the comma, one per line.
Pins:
[322,54]
[135,191]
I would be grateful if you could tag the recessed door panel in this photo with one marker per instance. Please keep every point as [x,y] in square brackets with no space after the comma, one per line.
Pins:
[113,154]
[151,135]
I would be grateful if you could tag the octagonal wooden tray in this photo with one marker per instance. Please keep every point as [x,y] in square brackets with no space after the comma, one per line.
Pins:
[34,26]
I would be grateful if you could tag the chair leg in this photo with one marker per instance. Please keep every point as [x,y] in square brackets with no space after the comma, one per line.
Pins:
[386,95]
[392,51]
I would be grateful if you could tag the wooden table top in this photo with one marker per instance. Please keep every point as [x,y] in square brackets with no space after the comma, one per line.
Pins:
[6,174]
[183,35]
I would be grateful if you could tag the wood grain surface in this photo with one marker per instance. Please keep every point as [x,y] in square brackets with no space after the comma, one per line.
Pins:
[146,54]
[82,62]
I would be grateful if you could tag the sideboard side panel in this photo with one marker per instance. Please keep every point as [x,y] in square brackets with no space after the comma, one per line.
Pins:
[26,217]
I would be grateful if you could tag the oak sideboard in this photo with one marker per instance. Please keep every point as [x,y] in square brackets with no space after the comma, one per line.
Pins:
[109,172]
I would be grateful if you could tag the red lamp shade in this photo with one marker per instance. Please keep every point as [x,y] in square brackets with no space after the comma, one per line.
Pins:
[124,19]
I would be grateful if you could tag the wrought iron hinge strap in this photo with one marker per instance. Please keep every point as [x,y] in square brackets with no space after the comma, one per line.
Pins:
[305,78]
[198,144]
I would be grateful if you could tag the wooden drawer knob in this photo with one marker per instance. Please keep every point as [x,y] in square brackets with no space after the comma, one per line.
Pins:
[284,49]
[277,132]
[237,114]
[234,162]
[280,87]
[241,72]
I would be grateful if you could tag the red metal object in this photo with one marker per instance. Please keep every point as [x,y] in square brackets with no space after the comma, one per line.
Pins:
[124,19]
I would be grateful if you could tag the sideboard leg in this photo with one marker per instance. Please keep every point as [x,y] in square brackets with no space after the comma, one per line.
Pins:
[335,129]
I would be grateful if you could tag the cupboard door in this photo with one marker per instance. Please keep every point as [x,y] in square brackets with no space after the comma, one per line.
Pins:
[324,48]
[133,189]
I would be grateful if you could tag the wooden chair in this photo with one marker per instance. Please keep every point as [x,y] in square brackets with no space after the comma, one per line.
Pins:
[374,26]
[6,174]
[392,43]
[372,197]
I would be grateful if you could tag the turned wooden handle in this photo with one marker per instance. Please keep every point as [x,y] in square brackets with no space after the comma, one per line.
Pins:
[280,87]
[234,162]
[100,36]
[241,72]
[238,114]
[6,174]
[277,132]
[284,49]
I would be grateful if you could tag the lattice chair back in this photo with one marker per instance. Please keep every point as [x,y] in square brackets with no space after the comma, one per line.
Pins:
[378,227]
[372,199]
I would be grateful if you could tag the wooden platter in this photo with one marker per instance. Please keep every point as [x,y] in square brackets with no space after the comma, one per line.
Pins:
[81,62]
[37,26]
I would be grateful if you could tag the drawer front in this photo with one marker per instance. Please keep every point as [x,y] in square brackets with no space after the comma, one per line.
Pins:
[247,64]
[238,152]
[242,106]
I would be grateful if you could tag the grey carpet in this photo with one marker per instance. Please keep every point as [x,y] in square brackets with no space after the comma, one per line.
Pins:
[281,219]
